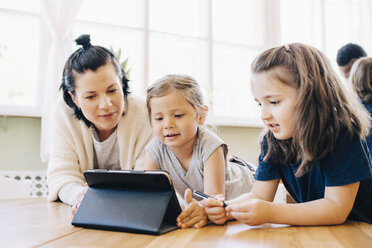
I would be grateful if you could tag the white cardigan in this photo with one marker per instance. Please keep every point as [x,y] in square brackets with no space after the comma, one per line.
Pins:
[72,146]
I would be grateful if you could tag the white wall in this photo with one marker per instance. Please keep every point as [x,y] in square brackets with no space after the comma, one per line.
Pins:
[20,143]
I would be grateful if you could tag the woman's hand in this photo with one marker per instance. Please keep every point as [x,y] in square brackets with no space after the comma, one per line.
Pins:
[78,199]
[215,210]
[193,215]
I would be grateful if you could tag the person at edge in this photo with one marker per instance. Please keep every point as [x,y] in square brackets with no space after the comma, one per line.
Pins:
[361,82]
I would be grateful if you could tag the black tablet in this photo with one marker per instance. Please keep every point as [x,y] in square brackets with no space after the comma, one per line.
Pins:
[131,201]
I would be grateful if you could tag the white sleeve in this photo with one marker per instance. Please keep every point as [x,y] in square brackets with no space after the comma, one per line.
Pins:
[69,192]
[70,154]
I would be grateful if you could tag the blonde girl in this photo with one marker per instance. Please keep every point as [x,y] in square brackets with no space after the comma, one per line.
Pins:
[361,82]
[194,156]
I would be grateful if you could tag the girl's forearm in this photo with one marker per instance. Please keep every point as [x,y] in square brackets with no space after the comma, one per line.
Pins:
[318,212]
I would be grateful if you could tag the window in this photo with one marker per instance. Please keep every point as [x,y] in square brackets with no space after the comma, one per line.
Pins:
[214,41]
[209,40]
[19,55]
[324,24]
[238,37]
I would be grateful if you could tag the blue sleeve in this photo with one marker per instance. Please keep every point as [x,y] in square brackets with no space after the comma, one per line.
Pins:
[350,162]
[266,170]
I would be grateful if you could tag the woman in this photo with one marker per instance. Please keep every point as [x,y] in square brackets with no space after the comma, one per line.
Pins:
[97,124]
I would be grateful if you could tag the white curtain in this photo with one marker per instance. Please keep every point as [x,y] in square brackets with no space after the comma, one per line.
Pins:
[366,25]
[59,16]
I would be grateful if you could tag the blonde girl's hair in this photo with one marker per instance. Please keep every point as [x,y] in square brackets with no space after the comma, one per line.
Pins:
[361,79]
[323,108]
[182,84]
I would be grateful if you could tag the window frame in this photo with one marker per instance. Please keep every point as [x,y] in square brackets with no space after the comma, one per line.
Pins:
[272,37]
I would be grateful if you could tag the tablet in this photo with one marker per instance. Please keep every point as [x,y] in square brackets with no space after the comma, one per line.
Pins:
[128,200]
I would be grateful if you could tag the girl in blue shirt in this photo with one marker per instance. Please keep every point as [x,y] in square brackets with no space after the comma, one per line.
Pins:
[313,142]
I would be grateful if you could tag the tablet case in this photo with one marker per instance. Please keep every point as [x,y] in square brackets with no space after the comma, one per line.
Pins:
[131,201]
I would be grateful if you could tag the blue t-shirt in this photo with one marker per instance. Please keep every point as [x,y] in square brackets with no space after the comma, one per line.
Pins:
[368,106]
[348,163]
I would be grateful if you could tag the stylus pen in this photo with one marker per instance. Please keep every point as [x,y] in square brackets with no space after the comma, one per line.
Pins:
[205,196]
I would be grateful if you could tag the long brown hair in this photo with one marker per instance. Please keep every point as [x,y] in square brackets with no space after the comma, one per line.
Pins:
[361,78]
[323,107]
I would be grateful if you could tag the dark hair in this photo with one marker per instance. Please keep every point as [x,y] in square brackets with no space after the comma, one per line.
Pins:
[348,52]
[323,108]
[88,57]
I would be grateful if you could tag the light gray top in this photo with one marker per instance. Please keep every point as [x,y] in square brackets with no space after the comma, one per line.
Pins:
[106,153]
[238,179]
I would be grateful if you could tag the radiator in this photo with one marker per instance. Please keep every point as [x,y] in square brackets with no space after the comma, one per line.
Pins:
[37,180]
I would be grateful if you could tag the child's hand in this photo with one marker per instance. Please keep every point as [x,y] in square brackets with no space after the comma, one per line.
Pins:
[215,210]
[193,215]
[250,211]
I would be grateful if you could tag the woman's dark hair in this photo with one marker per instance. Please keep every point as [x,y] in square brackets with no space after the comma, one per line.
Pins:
[88,57]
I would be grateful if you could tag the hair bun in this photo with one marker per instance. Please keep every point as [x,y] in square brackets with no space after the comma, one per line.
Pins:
[83,40]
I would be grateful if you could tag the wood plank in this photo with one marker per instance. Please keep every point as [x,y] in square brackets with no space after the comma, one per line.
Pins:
[32,221]
[38,223]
